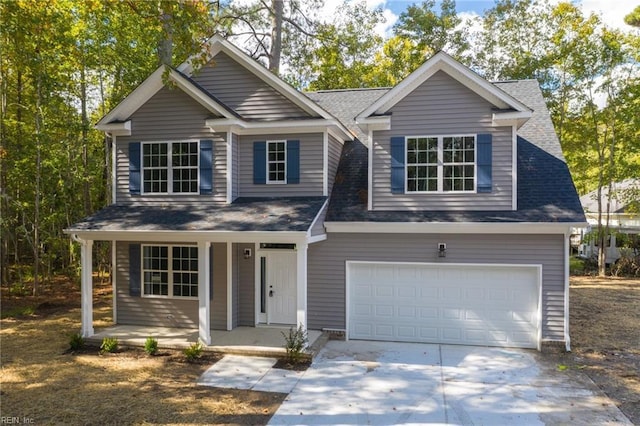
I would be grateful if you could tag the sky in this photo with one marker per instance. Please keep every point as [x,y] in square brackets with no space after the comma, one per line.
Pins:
[611,11]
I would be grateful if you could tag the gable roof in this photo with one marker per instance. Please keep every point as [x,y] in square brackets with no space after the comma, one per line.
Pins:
[546,192]
[182,78]
[443,62]
[619,201]
[151,86]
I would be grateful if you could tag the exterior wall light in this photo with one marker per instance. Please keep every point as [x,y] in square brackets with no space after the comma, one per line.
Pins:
[442,250]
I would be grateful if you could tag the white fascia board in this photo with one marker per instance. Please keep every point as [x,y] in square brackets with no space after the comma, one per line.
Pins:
[313,223]
[517,118]
[325,163]
[449,227]
[135,99]
[382,122]
[443,62]
[317,238]
[122,128]
[514,168]
[313,125]
[198,96]
[191,236]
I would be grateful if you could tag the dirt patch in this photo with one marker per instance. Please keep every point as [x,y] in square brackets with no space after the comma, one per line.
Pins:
[605,337]
[43,382]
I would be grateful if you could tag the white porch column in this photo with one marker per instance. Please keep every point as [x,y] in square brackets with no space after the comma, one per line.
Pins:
[204,294]
[87,288]
[301,290]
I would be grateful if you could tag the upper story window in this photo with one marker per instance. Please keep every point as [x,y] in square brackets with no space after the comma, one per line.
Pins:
[276,162]
[170,167]
[170,271]
[440,163]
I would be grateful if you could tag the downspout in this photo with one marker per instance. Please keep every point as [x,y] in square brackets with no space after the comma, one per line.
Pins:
[567,338]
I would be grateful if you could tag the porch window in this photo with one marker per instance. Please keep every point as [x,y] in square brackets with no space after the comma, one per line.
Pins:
[170,167]
[170,271]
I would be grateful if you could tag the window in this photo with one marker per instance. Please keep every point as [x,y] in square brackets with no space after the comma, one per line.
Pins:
[458,163]
[170,271]
[440,163]
[422,164]
[170,167]
[276,161]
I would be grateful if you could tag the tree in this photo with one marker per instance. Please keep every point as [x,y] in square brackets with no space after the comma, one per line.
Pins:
[63,65]
[419,34]
[271,30]
[633,18]
[343,58]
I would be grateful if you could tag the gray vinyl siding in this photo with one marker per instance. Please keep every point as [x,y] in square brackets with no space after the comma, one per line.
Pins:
[443,106]
[244,277]
[326,268]
[244,92]
[218,307]
[335,150]
[171,115]
[137,310]
[311,177]
[164,312]
[235,168]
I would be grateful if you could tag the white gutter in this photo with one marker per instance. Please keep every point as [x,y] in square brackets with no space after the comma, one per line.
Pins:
[451,227]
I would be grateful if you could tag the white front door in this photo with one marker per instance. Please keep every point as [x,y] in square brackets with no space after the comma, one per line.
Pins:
[280,286]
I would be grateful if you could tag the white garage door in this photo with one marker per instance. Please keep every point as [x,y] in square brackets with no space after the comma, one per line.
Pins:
[492,305]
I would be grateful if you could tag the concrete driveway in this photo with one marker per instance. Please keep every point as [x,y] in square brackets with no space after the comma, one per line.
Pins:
[361,383]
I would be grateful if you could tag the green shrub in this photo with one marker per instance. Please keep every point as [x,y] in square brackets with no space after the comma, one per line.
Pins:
[628,265]
[76,342]
[194,351]
[296,342]
[151,346]
[19,289]
[109,344]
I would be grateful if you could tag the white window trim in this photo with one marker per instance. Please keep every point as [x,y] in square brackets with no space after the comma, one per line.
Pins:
[277,182]
[440,164]
[169,167]
[169,272]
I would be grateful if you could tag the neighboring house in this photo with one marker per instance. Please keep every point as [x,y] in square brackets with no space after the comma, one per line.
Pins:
[436,211]
[621,219]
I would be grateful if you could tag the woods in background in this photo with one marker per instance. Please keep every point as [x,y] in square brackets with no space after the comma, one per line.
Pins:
[64,64]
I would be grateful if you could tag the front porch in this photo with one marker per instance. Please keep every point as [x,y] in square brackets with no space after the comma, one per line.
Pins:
[257,341]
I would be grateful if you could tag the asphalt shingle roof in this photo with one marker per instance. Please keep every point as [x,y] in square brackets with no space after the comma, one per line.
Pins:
[345,105]
[545,190]
[244,214]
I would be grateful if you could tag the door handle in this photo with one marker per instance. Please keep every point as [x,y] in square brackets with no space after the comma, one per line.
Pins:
[270,293]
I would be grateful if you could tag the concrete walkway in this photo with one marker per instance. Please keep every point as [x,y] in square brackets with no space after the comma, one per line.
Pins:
[362,383]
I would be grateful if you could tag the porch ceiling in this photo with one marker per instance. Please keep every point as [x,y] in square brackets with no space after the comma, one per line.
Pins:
[294,214]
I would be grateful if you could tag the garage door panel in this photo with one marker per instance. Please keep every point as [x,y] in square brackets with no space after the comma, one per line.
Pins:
[457,304]
[428,313]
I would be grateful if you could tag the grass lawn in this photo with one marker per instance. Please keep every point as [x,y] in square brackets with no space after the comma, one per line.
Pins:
[44,383]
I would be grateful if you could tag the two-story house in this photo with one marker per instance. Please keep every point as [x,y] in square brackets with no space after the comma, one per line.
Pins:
[435,211]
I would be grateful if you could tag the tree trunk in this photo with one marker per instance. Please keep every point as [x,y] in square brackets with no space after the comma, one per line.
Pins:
[36,219]
[165,46]
[276,36]
[4,244]
[86,188]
